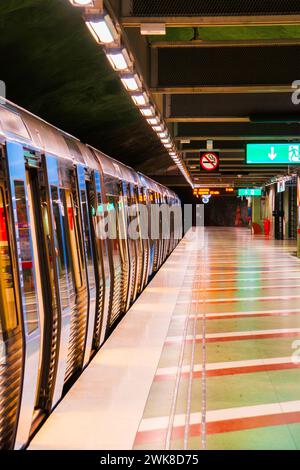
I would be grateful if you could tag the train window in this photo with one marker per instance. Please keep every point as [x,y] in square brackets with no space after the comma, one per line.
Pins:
[98,222]
[64,269]
[7,294]
[115,244]
[87,241]
[12,122]
[76,248]
[28,281]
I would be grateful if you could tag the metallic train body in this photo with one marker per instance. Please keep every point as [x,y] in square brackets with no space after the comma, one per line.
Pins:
[62,288]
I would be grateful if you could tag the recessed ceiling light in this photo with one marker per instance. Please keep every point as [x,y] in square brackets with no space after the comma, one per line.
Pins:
[102,28]
[119,59]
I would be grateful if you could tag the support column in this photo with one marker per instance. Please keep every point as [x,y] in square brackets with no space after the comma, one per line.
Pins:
[256,213]
[298,216]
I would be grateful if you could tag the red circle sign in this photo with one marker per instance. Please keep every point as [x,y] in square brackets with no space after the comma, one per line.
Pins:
[209,161]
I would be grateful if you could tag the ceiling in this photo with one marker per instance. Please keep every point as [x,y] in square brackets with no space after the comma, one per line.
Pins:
[223,72]
[53,68]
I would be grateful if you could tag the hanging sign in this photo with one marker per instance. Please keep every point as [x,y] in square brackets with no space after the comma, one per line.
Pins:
[209,161]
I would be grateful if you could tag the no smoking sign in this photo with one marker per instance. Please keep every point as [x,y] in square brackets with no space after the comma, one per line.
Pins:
[209,161]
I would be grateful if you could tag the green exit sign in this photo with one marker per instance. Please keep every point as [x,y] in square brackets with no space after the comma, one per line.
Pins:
[250,192]
[273,154]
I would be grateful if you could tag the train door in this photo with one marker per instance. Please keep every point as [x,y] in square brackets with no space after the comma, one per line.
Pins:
[146,239]
[103,261]
[117,267]
[172,227]
[30,289]
[160,240]
[11,339]
[93,272]
[132,248]
[152,230]
[70,268]
[79,316]
[141,254]
[46,282]
[124,246]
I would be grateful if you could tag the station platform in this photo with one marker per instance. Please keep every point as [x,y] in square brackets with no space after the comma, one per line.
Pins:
[205,359]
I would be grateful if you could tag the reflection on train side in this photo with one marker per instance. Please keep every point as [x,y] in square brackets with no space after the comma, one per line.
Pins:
[63,287]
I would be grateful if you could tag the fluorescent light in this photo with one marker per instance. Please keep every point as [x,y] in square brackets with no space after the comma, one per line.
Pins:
[165,141]
[163,135]
[82,3]
[168,146]
[131,82]
[153,121]
[102,28]
[158,128]
[147,111]
[140,99]
[119,59]
[153,29]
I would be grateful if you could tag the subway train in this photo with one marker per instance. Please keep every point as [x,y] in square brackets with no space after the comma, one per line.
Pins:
[62,287]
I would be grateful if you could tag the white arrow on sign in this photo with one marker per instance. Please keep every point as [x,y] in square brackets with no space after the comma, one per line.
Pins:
[272,154]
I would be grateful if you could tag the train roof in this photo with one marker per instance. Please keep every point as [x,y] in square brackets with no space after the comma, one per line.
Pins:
[20,125]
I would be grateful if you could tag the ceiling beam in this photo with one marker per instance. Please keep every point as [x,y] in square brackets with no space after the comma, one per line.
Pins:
[243,138]
[225,43]
[197,150]
[194,21]
[177,90]
[208,119]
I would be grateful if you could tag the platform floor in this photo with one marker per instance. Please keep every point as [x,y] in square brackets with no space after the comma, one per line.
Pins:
[205,359]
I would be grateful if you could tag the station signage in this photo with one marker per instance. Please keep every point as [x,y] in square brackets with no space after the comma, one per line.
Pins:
[212,191]
[281,186]
[273,154]
[209,161]
[251,192]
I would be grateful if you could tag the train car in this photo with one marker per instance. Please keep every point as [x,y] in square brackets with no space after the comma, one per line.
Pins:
[62,286]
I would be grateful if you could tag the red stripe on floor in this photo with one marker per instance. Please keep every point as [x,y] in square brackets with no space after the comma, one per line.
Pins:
[223,339]
[230,371]
[256,336]
[219,427]
[254,315]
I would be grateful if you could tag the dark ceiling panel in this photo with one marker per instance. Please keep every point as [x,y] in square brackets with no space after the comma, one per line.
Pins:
[234,66]
[240,129]
[213,7]
[218,144]
[236,105]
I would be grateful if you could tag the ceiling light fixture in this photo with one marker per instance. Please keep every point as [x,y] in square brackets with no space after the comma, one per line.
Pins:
[158,128]
[82,3]
[119,59]
[153,121]
[163,135]
[131,82]
[140,99]
[102,29]
[147,111]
